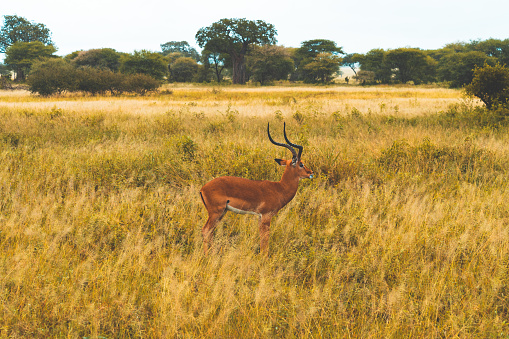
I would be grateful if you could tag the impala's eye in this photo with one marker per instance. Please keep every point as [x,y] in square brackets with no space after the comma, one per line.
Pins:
[301,164]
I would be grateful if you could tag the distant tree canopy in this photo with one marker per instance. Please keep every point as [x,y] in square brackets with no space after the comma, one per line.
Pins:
[311,48]
[181,47]
[374,61]
[144,62]
[21,55]
[18,29]
[351,60]
[317,60]
[105,58]
[268,63]
[453,64]
[184,69]
[410,64]
[234,37]
[458,68]
[322,68]
[400,65]
[216,62]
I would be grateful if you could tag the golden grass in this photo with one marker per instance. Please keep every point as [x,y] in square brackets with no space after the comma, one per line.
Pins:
[402,234]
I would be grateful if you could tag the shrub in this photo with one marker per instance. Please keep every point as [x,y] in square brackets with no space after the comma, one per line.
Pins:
[58,75]
[93,80]
[52,76]
[187,148]
[139,83]
[184,69]
[144,62]
[490,84]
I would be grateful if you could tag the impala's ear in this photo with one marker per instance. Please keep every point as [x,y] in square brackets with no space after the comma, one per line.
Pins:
[281,162]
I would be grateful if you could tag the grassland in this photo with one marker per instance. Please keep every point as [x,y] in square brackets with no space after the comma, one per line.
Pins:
[404,232]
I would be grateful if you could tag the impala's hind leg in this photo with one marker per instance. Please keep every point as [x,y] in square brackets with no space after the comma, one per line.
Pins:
[215,216]
[208,230]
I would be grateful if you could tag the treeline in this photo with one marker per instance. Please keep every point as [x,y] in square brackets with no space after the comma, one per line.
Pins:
[236,50]
[453,64]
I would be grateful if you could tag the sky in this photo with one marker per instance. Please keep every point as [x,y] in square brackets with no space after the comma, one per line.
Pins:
[356,26]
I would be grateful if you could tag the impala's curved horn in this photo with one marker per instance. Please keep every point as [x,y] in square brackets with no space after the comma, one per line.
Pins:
[282,145]
[299,147]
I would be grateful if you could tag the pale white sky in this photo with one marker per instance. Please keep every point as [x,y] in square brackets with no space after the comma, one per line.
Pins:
[357,26]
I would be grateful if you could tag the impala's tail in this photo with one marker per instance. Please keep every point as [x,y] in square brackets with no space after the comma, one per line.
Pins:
[201,196]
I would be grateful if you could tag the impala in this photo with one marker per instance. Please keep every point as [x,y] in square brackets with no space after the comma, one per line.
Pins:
[263,198]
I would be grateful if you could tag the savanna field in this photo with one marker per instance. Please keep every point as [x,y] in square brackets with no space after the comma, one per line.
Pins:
[404,232]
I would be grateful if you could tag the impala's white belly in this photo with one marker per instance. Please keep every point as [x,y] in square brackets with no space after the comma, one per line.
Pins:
[236,210]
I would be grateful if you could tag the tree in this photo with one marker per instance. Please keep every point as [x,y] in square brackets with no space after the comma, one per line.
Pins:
[21,55]
[139,83]
[490,84]
[234,37]
[375,61]
[182,47]
[4,71]
[184,69]
[311,48]
[493,48]
[105,58]
[216,61]
[5,76]
[458,68]
[309,53]
[352,61]
[52,76]
[322,67]
[411,64]
[19,29]
[269,62]
[144,62]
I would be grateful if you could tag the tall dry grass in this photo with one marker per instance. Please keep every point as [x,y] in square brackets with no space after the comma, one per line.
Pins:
[402,234]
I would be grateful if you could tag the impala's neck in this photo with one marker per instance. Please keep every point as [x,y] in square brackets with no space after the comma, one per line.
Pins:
[289,183]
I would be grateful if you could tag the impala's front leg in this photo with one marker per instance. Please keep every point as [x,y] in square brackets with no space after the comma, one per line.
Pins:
[265,233]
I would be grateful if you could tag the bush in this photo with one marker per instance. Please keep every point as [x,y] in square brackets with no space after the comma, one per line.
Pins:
[144,62]
[94,81]
[184,70]
[55,76]
[490,84]
[52,76]
[139,83]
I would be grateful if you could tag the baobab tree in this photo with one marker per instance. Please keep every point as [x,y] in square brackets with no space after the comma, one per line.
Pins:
[234,37]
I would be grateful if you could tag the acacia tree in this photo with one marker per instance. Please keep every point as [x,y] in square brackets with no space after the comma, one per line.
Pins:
[310,57]
[183,69]
[144,62]
[105,58]
[19,29]
[352,61]
[181,47]
[411,64]
[21,55]
[375,62]
[322,68]
[215,61]
[269,62]
[458,68]
[234,37]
